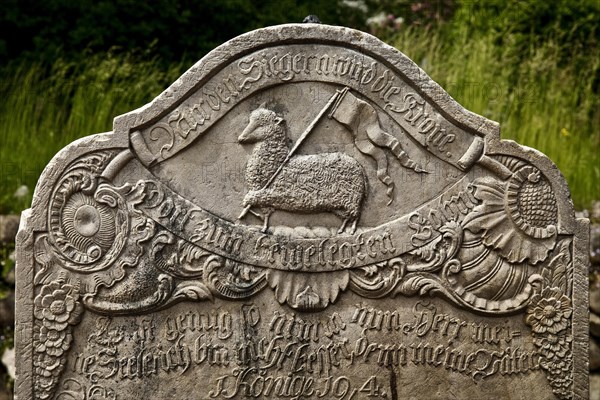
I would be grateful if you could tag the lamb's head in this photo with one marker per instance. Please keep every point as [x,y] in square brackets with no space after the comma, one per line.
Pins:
[263,124]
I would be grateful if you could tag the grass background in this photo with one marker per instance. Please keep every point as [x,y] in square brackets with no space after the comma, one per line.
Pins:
[538,79]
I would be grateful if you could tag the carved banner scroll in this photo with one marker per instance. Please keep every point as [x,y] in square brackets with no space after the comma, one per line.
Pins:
[304,214]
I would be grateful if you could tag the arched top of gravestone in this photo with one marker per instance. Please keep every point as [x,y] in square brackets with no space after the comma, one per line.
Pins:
[364,70]
[306,34]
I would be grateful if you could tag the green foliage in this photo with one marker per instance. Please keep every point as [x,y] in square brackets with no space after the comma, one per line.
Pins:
[44,109]
[171,28]
[540,82]
[523,81]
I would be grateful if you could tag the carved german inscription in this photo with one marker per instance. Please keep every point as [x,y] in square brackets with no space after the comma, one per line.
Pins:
[304,214]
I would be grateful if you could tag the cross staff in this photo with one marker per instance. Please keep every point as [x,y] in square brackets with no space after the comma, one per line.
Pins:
[336,96]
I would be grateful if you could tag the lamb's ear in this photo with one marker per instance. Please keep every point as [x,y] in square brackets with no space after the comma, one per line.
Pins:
[278,120]
[263,105]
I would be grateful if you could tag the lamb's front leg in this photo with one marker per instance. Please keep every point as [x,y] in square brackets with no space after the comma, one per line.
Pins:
[248,202]
[266,216]
[343,227]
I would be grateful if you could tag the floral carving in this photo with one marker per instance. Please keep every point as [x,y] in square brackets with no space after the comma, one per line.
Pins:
[57,305]
[553,345]
[53,341]
[549,311]
[549,315]
[56,309]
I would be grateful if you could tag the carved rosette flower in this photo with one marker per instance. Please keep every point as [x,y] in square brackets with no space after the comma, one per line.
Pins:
[549,317]
[549,311]
[517,218]
[56,309]
[54,342]
[57,306]
[553,345]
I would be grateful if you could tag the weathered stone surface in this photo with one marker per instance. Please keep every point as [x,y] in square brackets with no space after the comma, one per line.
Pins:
[303,214]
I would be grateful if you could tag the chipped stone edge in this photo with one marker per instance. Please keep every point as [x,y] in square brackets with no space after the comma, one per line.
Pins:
[581,314]
[31,223]
[24,309]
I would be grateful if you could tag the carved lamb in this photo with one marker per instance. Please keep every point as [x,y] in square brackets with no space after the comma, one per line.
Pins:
[329,182]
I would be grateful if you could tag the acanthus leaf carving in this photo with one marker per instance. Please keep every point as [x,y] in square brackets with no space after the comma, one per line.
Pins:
[442,257]
[377,281]
[307,291]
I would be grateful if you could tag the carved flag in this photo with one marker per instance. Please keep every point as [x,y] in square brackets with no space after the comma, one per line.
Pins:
[369,138]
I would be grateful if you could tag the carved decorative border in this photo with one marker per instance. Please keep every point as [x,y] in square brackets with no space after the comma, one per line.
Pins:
[72,273]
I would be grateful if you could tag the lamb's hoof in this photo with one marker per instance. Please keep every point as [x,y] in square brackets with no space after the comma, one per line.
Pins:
[265,229]
[344,226]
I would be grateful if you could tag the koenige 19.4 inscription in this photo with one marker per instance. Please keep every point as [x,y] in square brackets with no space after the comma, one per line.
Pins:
[360,235]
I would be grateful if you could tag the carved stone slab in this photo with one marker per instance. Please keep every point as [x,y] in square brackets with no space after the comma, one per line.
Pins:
[304,214]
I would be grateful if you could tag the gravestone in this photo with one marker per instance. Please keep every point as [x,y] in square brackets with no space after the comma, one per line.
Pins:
[304,214]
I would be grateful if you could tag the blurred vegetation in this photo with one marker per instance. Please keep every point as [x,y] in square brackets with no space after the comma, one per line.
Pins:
[532,66]
[45,108]
[174,29]
[70,67]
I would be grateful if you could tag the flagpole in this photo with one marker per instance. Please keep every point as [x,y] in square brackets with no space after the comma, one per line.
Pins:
[337,95]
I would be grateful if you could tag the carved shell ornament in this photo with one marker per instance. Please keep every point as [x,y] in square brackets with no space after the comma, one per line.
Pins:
[126,227]
[518,218]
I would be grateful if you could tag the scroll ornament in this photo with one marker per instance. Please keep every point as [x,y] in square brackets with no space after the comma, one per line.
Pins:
[487,261]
